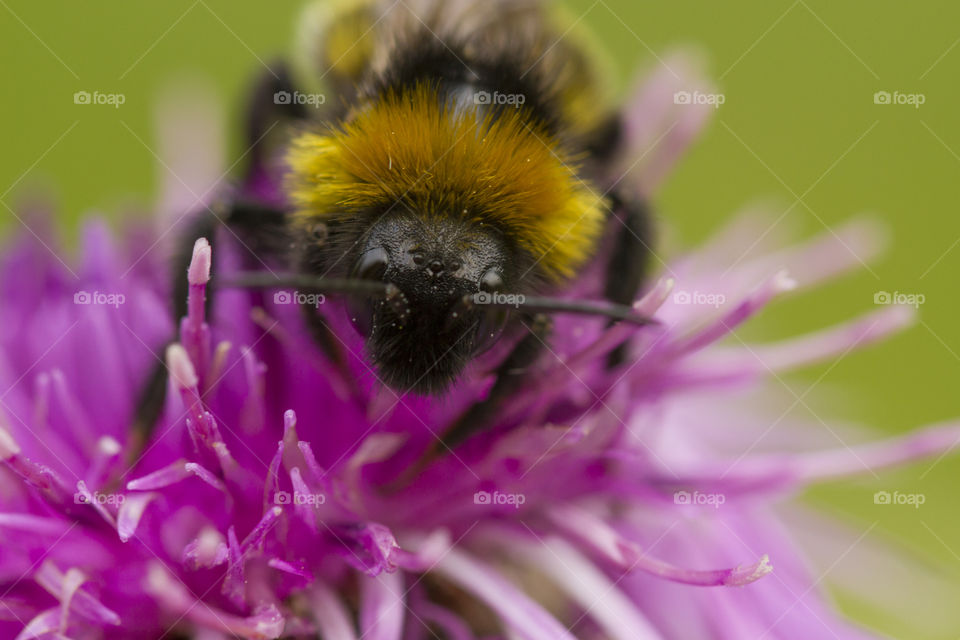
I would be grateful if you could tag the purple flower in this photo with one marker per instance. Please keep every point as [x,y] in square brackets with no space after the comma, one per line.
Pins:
[271,499]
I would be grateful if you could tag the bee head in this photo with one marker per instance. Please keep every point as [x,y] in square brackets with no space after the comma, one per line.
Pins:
[422,336]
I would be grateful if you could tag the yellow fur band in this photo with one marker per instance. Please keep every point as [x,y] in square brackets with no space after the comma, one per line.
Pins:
[408,148]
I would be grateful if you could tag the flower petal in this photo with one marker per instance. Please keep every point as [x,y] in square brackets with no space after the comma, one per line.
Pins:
[382,607]
[519,612]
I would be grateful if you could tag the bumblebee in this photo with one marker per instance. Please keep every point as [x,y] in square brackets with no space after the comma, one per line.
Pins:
[439,160]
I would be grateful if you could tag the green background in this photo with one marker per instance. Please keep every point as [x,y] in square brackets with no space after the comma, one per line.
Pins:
[799,79]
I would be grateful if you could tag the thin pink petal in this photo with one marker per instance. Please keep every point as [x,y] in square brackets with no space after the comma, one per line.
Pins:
[522,615]
[382,607]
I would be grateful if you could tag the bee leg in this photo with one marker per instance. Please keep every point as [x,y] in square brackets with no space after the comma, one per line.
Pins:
[325,338]
[605,140]
[480,415]
[508,376]
[631,249]
[150,402]
[251,222]
[628,261]
[153,392]
[247,221]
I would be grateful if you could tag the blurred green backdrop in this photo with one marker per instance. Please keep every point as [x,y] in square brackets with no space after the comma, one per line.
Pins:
[799,120]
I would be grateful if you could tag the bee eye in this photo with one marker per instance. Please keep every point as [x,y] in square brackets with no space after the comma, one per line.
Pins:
[491,281]
[372,266]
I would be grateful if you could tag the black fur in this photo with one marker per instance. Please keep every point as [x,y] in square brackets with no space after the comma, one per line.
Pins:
[424,58]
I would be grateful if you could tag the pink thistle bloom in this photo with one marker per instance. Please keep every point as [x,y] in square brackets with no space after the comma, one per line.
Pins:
[626,503]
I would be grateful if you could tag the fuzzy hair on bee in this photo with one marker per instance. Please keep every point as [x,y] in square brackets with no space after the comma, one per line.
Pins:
[460,158]
[460,154]
[413,147]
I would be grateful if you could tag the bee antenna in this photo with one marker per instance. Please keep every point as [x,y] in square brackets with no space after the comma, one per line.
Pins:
[345,286]
[536,304]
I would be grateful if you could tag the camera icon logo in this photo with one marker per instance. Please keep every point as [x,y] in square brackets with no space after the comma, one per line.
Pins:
[482,97]
[79,498]
[481,497]
[82,297]
[682,97]
[282,497]
[681,497]
[881,497]
[681,297]
[282,297]
[882,297]
[482,297]
[81,97]
[282,97]
[881,97]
